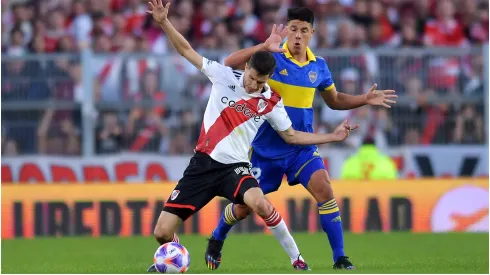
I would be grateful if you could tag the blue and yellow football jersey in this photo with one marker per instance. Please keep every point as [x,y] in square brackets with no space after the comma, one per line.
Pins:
[296,83]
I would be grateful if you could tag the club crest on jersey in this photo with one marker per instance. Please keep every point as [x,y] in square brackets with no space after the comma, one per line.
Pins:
[312,75]
[262,105]
[174,194]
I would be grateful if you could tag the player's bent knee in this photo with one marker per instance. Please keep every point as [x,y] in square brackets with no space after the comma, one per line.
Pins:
[255,199]
[319,186]
[163,235]
[166,227]
[263,208]
[242,211]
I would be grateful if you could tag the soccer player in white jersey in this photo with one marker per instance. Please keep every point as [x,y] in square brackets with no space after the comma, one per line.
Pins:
[240,102]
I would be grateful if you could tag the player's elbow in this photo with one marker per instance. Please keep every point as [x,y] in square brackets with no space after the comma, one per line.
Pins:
[333,105]
[291,139]
[228,61]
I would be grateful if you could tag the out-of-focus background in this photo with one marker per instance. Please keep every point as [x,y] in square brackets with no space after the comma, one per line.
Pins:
[93,96]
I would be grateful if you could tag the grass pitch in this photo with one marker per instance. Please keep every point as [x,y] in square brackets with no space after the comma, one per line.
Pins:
[254,253]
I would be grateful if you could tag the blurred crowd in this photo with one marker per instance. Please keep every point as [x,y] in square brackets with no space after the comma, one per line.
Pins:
[171,126]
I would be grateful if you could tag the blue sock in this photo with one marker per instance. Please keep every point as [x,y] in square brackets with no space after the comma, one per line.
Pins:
[226,222]
[332,225]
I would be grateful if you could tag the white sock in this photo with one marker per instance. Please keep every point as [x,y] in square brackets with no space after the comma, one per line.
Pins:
[278,227]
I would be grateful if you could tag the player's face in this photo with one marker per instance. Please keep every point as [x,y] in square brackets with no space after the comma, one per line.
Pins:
[253,81]
[299,35]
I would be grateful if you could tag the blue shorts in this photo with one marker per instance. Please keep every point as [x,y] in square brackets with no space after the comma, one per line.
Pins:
[298,168]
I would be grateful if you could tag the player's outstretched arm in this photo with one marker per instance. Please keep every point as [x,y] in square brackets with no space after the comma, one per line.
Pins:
[159,13]
[341,101]
[303,138]
[238,59]
[279,120]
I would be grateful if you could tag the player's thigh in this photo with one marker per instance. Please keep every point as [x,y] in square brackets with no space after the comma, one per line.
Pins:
[167,225]
[303,165]
[236,181]
[244,190]
[196,189]
[268,172]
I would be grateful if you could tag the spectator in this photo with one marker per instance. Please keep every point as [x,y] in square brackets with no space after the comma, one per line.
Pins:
[145,126]
[180,145]
[17,39]
[444,30]
[110,135]
[22,17]
[382,23]
[412,137]
[374,124]
[81,24]
[56,29]
[108,71]
[134,16]
[346,33]
[145,131]
[474,77]
[10,149]
[245,9]
[361,15]
[117,26]
[469,126]
[58,137]
[369,164]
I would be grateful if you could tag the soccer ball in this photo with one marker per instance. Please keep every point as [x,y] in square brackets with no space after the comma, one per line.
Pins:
[172,258]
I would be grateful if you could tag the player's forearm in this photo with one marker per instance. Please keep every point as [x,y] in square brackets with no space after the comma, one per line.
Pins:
[237,59]
[347,102]
[304,138]
[178,41]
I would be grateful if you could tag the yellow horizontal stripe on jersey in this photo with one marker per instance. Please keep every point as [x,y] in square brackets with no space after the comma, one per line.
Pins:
[293,96]
[329,88]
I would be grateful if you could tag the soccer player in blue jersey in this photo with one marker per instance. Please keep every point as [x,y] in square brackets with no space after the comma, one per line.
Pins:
[298,74]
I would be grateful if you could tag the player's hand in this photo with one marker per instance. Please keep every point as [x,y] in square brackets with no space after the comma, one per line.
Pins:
[380,97]
[158,11]
[273,43]
[343,130]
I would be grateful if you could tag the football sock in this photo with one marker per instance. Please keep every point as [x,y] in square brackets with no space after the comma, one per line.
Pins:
[278,227]
[175,239]
[226,222]
[332,225]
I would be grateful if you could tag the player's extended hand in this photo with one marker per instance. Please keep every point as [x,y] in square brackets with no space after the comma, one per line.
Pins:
[380,97]
[273,43]
[343,130]
[158,11]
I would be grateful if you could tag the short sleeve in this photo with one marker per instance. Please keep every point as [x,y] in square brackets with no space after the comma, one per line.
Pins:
[327,81]
[213,70]
[278,118]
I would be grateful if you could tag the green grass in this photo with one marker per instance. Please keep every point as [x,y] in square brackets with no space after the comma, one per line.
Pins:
[371,253]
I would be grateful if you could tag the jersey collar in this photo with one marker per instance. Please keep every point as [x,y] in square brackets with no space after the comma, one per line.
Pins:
[309,55]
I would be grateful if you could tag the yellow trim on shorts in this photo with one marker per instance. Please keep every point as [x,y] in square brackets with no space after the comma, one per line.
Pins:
[302,167]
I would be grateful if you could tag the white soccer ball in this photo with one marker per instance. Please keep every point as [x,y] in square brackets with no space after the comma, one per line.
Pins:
[172,258]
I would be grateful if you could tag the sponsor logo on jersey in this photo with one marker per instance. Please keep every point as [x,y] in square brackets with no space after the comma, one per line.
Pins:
[241,108]
[232,87]
[283,72]
[174,194]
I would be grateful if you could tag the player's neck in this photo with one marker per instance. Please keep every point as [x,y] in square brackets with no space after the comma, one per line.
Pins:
[301,58]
